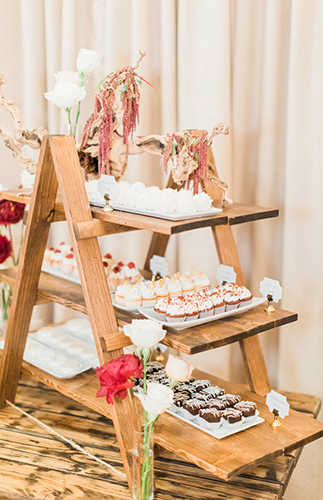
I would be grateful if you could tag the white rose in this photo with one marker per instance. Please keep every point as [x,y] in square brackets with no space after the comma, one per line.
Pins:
[157,400]
[178,368]
[144,332]
[87,61]
[67,76]
[66,94]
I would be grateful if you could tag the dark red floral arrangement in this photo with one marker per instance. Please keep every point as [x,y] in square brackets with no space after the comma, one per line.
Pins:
[117,376]
[5,248]
[105,106]
[11,212]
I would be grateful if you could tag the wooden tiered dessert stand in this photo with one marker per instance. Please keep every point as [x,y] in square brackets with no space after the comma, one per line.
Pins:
[59,168]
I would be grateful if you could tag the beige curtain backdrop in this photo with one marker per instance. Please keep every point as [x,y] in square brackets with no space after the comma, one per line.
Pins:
[257,66]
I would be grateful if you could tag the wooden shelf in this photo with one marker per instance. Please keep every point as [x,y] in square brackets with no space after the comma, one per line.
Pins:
[236,213]
[191,341]
[225,458]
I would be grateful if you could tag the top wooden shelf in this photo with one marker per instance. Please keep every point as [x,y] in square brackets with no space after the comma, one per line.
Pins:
[237,213]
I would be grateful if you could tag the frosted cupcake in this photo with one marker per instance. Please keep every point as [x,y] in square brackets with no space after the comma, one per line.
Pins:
[149,297]
[218,303]
[192,310]
[201,282]
[57,258]
[175,288]
[131,272]
[245,296]
[116,277]
[67,263]
[209,418]
[231,300]
[175,312]
[206,307]
[161,307]
[161,290]
[133,297]
[48,255]
[120,293]
[187,285]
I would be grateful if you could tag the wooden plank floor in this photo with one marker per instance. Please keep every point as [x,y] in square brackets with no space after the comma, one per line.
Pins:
[35,465]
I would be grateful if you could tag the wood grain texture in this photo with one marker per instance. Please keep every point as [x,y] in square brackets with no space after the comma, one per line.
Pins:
[94,283]
[224,458]
[97,228]
[25,290]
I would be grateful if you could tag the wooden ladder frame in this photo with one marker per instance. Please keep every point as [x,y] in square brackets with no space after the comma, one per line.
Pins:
[59,168]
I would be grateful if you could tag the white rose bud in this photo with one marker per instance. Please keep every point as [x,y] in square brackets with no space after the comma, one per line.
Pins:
[178,368]
[66,94]
[157,400]
[144,332]
[67,76]
[87,61]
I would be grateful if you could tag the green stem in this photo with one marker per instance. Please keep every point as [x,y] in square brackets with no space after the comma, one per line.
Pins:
[70,129]
[21,240]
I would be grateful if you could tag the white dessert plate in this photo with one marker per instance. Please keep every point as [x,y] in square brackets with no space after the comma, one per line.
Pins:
[159,215]
[149,313]
[221,432]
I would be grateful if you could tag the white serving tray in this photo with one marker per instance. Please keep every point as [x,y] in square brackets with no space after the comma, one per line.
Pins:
[149,313]
[159,215]
[221,432]
[69,366]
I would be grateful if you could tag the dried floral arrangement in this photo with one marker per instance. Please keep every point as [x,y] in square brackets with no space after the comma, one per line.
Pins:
[108,136]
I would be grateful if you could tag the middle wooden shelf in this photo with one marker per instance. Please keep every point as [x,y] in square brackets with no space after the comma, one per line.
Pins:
[190,341]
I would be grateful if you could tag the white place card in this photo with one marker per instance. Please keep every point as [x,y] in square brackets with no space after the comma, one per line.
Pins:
[158,264]
[271,287]
[108,185]
[276,401]
[225,274]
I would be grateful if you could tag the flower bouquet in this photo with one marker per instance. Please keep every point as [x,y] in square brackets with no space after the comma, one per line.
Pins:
[118,376]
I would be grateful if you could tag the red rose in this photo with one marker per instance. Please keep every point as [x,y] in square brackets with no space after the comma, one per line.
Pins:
[116,376]
[5,248]
[11,212]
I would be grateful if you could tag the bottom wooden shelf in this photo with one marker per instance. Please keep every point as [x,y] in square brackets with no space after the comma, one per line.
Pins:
[224,458]
[35,463]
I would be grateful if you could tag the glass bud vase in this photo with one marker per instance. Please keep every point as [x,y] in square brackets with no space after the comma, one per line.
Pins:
[5,303]
[143,465]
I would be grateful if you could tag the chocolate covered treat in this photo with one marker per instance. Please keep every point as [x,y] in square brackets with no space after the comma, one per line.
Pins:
[217,404]
[193,406]
[230,399]
[213,391]
[154,366]
[199,385]
[210,415]
[179,399]
[247,408]
[231,415]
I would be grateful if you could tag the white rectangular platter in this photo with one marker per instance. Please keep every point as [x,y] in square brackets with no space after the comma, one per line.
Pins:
[149,313]
[174,217]
[60,274]
[221,432]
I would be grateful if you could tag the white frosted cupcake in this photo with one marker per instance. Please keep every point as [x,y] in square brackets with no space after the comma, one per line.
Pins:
[187,285]
[161,290]
[201,282]
[245,296]
[206,307]
[131,272]
[57,258]
[175,288]
[48,255]
[191,309]
[231,300]
[218,303]
[67,263]
[149,297]
[116,277]
[175,312]
[120,293]
[133,297]
[161,307]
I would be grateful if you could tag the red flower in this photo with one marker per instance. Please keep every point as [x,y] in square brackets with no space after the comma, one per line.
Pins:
[116,376]
[11,212]
[5,248]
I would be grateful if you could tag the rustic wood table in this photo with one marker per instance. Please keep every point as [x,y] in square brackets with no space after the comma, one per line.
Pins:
[36,466]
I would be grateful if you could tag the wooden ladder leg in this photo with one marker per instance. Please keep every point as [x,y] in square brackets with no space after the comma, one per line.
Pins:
[94,282]
[251,350]
[25,291]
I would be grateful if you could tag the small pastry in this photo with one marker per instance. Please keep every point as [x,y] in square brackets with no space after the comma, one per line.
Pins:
[133,297]
[175,312]
[116,277]
[230,399]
